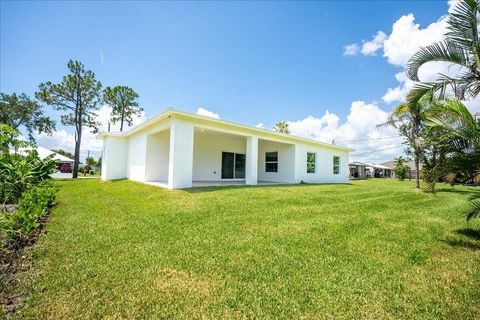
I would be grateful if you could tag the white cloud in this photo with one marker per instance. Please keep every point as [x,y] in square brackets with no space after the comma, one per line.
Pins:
[407,37]
[63,139]
[359,132]
[207,113]
[369,48]
[351,49]
[260,125]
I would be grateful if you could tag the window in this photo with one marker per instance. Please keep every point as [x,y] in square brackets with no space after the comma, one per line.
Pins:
[271,162]
[311,162]
[233,165]
[336,165]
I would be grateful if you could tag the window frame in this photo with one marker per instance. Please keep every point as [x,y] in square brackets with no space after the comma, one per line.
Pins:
[271,162]
[336,166]
[314,163]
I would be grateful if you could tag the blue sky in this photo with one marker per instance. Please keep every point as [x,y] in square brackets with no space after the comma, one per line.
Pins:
[250,62]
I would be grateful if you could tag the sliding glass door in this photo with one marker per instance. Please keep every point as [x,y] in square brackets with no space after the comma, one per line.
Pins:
[233,165]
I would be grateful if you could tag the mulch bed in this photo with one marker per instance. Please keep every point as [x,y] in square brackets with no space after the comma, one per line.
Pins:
[15,257]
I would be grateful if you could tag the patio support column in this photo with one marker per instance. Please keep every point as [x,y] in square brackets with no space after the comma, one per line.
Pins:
[251,170]
[180,164]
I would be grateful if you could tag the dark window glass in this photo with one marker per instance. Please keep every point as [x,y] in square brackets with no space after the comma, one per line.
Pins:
[271,167]
[239,166]
[227,165]
[271,156]
[271,162]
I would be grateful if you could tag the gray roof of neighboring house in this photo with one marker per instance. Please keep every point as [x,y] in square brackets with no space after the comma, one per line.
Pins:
[391,164]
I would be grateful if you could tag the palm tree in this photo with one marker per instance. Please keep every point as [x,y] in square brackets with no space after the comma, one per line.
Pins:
[464,129]
[461,47]
[409,118]
[399,161]
[464,159]
[282,127]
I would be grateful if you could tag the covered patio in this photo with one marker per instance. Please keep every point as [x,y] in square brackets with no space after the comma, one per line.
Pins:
[211,157]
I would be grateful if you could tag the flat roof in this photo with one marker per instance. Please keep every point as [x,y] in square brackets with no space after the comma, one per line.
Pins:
[172,111]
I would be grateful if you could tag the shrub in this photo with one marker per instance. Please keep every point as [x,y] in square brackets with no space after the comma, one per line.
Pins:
[401,171]
[33,206]
[18,172]
[21,173]
[92,172]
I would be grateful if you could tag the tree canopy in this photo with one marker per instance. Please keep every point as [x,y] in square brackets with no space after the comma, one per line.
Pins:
[124,103]
[19,111]
[79,94]
[282,127]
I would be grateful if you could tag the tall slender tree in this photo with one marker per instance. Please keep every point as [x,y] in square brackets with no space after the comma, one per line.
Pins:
[20,111]
[409,118]
[78,94]
[282,127]
[124,103]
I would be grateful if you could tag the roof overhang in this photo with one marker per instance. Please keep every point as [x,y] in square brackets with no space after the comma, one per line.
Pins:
[254,130]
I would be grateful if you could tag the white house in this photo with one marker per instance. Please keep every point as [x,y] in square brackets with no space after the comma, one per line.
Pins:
[176,149]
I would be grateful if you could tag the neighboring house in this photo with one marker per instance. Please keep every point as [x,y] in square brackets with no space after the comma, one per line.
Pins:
[44,152]
[176,149]
[410,163]
[358,170]
[379,171]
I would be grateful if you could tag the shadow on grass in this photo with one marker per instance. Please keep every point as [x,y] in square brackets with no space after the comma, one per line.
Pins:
[264,186]
[473,194]
[469,232]
[472,242]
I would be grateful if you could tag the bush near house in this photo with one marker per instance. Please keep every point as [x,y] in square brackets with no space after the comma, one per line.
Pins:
[25,194]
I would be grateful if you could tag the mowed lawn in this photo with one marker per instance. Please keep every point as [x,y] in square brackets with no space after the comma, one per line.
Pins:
[371,249]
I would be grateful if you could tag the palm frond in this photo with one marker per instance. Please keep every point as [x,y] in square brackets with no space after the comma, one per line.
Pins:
[473,211]
[446,51]
[462,24]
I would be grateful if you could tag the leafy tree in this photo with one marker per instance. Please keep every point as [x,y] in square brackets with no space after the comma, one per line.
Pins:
[409,118]
[401,170]
[399,161]
[90,161]
[460,47]
[64,153]
[79,94]
[124,103]
[9,140]
[18,111]
[282,127]
[463,157]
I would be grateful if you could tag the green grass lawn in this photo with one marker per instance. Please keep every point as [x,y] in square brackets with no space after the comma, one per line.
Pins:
[371,249]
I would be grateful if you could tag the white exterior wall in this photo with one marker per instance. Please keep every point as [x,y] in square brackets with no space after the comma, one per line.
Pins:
[156,165]
[174,150]
[286,161]
[137,152]
[207,154]
[323,166]
[180,164]
[251,161]
[114,158]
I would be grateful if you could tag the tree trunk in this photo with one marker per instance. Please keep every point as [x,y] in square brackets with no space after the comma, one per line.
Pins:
[78,141]
[417,171]
[121,121]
